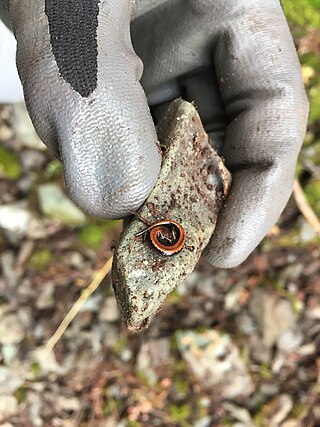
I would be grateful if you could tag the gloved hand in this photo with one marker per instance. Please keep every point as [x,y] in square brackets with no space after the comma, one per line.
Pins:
[235,58]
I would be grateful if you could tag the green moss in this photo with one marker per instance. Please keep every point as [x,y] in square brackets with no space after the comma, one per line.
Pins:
[147,378]
[312,192]
[131,423]
[180,366]
[173,298]
[314,98]
[180,414]
[227,421]
[36,369]
[309,139]
[297,304]
[298,409]
[181,385]
[9,165]
[265,372]
[41,259]
[92,234]
[290,240]
[119,345]
[53,170]
[111,405]
[259,419]
[311,60]
[302,12]
[20,394]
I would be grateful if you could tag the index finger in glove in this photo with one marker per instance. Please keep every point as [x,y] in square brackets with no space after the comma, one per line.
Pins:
[264,97]
[81,83]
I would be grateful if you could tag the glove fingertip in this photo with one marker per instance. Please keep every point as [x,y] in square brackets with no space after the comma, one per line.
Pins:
[226,254]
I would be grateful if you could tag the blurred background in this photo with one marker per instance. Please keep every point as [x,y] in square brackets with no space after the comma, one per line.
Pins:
[237,347]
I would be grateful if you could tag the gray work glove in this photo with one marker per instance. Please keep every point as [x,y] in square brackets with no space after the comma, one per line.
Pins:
[235,58]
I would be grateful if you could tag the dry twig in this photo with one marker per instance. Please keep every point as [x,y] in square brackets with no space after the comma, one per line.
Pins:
[305,207]
[86,293]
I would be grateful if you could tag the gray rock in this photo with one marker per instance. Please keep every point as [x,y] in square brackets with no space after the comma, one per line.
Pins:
[110,335]
[32,160]
[11,330]
[42,228]
[274,314]
[291,423]
[109,311]
[290,340]
[313,313]
[14,219]
[26,183]
[307,232]
[8,406]
[216,362]
[10,353]
[24,129]
[281,407]
[6,133]
[67,403]
[92,304]
[54,203]
[246,324]
[46,298]
[153,353]
[35,405]
[238,414]
[47,361]
[11,378]
[190,190]
[9,272]
[232,300]
[75,260]
[263,393]
[307,349]
[126,354]
[203,422]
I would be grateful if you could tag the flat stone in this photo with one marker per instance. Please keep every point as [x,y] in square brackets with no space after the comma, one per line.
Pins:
[290,340]
[32,160]
[279,409]
[216,362]
[45,299]
[24,128]
[11,378]
[153,353]
[190,190]
[15,219]
[274,314]
[239,414]
[8,406]
[109,311]
[54,203]
[10,352]
[11,330]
